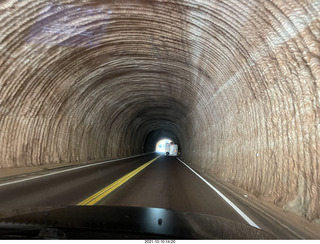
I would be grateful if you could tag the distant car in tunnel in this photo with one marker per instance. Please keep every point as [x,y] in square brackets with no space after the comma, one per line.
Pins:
[171,149]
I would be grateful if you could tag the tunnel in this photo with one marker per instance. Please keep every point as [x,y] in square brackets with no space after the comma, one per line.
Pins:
[234,83]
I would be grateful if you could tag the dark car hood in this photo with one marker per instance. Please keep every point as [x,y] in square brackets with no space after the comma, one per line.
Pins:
[105,222]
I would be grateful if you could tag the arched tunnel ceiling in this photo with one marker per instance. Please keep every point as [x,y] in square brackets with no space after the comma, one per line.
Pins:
[236,83]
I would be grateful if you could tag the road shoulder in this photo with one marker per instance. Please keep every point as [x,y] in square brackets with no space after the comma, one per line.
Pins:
[289,225]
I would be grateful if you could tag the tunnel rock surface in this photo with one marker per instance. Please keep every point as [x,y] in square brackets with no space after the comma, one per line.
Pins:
[235,83]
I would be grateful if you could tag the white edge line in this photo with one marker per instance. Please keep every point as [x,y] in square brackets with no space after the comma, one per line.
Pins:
[66,170]
[245,217]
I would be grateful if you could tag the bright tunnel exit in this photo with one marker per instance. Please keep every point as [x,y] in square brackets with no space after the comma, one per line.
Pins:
[160,146]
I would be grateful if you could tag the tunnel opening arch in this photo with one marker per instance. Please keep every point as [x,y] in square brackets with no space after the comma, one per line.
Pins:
[160,144]
[157,135]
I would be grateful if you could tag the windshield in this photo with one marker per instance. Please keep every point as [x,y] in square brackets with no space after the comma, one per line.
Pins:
[203,108]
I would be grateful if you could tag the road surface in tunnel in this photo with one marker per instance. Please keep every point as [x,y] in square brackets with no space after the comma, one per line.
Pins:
[165,183]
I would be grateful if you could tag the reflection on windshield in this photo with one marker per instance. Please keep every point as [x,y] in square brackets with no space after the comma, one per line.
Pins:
[67,25]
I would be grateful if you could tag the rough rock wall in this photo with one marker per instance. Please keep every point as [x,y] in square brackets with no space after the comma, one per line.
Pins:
[262,117]
[84,81]
[236,82]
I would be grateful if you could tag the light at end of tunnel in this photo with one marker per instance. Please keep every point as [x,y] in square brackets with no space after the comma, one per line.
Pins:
[160,146]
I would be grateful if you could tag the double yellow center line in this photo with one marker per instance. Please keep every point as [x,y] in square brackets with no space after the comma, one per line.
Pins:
[107,190]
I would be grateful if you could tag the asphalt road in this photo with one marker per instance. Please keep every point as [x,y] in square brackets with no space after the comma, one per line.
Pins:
[62,187]
[143,181]
[167,183]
